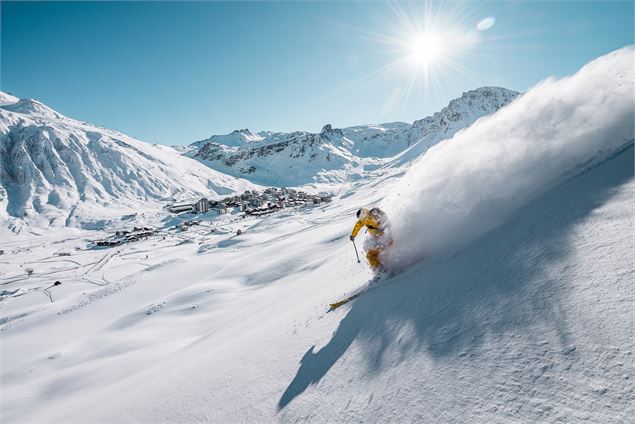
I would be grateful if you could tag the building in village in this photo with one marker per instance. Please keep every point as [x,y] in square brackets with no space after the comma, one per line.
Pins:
[180,207]
[251,202]
[201,206]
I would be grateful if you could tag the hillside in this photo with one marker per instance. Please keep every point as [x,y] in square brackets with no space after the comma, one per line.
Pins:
[334,154]
[528,324]
[57,171]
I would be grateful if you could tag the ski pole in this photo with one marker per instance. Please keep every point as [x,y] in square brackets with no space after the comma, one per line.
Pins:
[356,254]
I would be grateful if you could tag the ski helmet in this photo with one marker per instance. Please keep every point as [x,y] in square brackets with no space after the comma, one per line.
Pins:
[378,214]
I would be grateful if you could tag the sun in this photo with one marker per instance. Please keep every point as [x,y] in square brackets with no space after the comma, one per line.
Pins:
[425,49]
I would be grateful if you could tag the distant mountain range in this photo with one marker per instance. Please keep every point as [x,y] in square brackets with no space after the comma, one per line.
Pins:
[332,154]
[58,171]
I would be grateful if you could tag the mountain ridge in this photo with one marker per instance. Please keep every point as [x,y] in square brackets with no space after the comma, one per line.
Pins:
[333,154]
[58,171]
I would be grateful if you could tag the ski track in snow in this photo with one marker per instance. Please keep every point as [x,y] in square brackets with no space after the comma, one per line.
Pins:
[528,319]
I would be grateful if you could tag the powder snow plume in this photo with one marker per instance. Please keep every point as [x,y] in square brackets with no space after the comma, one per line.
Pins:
[471,183]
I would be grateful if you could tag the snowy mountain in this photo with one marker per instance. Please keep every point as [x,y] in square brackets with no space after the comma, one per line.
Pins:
[510,299]
[333,154]
[57,171]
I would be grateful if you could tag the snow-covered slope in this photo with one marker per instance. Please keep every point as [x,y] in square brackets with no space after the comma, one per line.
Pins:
[58,171]
[530,324]
[467,185]
[333,154]
[528,319]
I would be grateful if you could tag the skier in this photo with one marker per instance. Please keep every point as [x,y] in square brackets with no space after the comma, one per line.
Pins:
[378,227]
[376,222]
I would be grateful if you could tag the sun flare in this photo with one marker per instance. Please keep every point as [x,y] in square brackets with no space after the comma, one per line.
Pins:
[425,49]
[428,47]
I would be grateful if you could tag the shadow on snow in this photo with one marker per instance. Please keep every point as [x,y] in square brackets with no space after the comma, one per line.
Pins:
[495,285]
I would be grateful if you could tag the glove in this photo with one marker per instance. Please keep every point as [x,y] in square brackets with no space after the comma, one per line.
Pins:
[352,238]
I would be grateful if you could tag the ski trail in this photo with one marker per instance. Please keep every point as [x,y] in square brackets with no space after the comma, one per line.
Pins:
[99,265]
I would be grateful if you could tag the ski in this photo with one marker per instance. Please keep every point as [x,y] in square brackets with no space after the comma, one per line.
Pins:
[335,305]
[375,282]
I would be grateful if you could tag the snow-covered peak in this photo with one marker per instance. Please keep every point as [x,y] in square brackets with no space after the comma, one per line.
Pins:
[33,108]
[481,101]
[7,99]
[235,138]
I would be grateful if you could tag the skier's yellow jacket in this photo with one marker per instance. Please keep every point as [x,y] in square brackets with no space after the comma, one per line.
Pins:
[379,228]
[375,227]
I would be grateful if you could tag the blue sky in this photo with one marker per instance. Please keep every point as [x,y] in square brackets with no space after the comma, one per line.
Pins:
[174,73]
